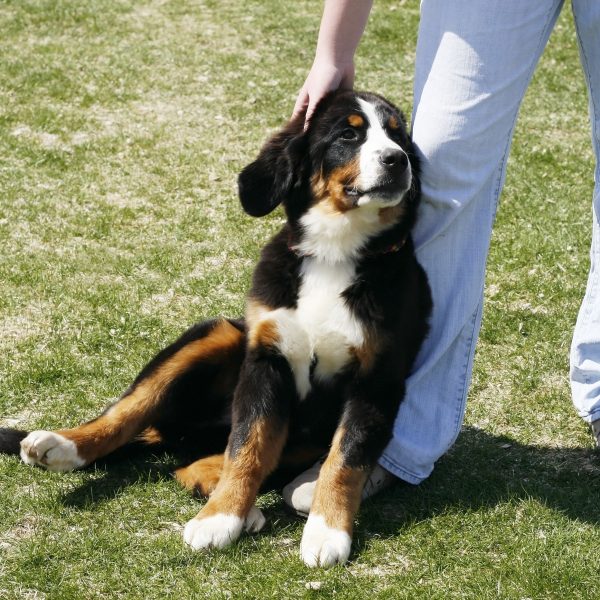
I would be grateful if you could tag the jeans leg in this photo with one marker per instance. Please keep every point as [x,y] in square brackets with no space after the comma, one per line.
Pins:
[474,61]
[585,348]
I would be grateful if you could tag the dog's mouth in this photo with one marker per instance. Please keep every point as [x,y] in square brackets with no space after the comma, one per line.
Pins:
[387,188]
[354,192]
[385,191]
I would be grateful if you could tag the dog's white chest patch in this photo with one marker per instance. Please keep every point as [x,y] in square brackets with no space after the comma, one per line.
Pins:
[322,313]
[321,326]
[323,321]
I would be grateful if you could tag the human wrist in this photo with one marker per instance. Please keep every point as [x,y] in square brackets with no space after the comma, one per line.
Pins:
[332,63]
[342,25]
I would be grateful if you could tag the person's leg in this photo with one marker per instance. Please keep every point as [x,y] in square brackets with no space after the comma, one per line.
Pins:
[585,349]
[475,59]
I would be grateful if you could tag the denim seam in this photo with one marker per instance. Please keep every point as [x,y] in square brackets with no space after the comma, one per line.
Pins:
[462,398]
[409,475]
[592,292]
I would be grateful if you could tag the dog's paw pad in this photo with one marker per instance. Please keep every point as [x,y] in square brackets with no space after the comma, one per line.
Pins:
[323,546]
[217,531]
[50,450]
[255,520]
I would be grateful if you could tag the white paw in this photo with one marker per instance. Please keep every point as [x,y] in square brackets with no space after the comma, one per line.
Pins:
[255,520]
[323,546]
[221,530]
[50,450]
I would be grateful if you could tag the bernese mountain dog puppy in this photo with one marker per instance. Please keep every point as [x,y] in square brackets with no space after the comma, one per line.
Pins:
[336,314]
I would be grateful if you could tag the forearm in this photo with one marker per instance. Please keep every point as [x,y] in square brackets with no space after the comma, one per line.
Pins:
[342,26]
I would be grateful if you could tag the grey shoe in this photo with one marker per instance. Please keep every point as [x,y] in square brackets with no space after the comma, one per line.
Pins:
[298,494]
[595,425]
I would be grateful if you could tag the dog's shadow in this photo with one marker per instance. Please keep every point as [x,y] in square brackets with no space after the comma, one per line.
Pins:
[482,471]
[115,473]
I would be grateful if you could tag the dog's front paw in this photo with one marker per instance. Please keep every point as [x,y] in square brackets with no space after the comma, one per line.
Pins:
[323,546]
[50,450]
[220,530]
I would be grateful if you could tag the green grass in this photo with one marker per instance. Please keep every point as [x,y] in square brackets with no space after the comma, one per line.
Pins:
[122,128]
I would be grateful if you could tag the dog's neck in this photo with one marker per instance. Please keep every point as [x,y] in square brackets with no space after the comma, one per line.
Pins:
[339,237]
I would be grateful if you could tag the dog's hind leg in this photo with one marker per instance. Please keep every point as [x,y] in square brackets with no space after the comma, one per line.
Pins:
[189,380]
[202,476]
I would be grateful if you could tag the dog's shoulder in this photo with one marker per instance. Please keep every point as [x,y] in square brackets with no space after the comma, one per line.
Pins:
[276,276]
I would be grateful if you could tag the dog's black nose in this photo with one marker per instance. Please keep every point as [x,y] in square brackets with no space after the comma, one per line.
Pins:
[392,157]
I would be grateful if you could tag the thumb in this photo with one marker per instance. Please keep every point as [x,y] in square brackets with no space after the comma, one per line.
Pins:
[302,103]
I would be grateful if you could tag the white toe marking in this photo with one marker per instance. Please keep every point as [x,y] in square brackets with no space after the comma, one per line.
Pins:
[220,530]
[255,520]
[217,531]
[323,546]
[50,450]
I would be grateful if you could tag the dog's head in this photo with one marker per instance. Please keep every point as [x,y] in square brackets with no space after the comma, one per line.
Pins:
[355,161]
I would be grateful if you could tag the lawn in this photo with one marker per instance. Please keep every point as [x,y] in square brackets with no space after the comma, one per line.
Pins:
[123,126]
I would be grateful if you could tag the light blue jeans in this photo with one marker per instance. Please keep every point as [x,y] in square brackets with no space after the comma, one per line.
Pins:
[474,61]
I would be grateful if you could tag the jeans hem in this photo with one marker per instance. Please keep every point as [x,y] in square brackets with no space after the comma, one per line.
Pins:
[591,417]
[401,472]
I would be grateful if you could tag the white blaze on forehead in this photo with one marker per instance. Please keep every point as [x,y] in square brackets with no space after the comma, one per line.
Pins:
[377,141]
[377,136]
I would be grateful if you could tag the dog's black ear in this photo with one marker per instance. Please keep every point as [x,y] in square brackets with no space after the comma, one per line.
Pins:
[266,182]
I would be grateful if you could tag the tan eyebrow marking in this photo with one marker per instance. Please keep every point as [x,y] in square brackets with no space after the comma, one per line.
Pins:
[393,122]
[356,121]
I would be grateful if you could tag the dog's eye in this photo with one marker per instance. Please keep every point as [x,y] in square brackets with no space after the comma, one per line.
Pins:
[349,134]
[396,133]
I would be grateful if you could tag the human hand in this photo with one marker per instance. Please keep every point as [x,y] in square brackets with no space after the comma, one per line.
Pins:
[323,77]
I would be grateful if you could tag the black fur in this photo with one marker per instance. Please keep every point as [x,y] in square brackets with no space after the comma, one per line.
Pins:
[266,182]
[10,440]
[389,296]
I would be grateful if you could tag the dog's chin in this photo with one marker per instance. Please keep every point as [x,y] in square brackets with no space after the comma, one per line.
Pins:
[380,196]
[385,193]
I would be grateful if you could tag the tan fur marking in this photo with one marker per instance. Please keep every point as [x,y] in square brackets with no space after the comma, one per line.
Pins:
[265,333]
[330,192]
[339,488]
[150,436]
[356,121]
[244,473]
[393,122]
[203,475]
[366,353]
[131,414]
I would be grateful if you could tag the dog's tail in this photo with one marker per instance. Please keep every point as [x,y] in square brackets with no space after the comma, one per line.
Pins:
[10,440]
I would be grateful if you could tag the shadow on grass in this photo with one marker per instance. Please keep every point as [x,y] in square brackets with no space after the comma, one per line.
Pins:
[481,471]
[119,471]
[484,470]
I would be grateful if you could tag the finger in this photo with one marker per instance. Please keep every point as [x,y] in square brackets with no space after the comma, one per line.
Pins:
[302,103]
[310,109]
